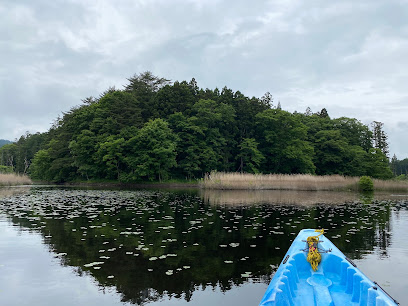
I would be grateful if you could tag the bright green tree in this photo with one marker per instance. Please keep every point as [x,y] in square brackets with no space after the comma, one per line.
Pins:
[249,156]
[331,150]
[40,167]
[282,139]
[144,88]
[356,133]
[216,138]
[110,152]
[171,99]
[153,151]
[122,108]
[8,155]
[190,145]
[83,150]
[377,164]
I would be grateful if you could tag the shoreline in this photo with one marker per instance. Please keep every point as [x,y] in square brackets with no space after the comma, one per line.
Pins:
[125,185]
[299,182]
[237,181]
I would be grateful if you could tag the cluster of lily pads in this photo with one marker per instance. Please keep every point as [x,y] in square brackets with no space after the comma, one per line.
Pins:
[135,238]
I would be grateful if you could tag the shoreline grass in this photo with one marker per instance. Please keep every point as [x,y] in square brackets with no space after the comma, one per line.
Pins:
[120,182]
[11,179]
[390,185]
[306,182]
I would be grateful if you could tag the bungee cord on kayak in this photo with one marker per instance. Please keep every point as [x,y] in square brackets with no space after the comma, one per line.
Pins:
[314,257]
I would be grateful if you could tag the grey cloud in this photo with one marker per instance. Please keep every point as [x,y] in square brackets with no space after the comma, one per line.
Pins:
[346,56]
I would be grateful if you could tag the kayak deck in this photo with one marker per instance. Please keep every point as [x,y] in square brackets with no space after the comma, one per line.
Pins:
[337,280]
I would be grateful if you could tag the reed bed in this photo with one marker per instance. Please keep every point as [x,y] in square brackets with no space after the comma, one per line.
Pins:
[390,185]
[11,179]
[222,180]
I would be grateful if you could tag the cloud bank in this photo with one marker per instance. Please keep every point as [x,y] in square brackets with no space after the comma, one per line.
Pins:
[349,57]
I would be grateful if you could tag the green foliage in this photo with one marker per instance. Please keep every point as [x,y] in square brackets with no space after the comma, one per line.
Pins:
[173,98]
[400,166]
[82,148]
[377,164]
[144,87]
[155,129]
[366,184]
[121,108]
[153,151]
[356,133]
[111,154]
[380,138]
[331,151]
[18,155]
[249,156]
[40,166]
[402,177]
[5,169]
[284,144]
[8,154]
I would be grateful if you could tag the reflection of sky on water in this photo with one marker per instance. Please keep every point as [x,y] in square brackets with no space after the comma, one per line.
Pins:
[392,270]
[249,294]
[154,232]
[31,275]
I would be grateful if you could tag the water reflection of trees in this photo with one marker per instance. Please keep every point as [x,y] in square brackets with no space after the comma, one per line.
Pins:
[131,228]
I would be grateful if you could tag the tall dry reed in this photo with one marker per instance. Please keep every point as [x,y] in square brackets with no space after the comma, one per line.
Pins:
[390,185]
[11,179]
[222,180]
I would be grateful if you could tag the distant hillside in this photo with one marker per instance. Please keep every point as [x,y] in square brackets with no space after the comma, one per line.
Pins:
[4,142]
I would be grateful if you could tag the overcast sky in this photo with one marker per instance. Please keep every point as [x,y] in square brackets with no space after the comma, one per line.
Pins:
[348,56]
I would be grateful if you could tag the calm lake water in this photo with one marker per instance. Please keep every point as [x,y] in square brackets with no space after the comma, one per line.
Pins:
[183,247]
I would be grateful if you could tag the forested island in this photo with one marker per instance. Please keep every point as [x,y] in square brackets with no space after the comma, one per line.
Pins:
[158,130]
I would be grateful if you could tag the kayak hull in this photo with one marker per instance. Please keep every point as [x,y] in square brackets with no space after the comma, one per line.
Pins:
[337,280]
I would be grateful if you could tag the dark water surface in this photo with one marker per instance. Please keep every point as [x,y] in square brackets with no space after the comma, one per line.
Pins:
[183,247]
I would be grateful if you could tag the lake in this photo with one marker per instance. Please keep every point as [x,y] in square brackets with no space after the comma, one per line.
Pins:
[70,246]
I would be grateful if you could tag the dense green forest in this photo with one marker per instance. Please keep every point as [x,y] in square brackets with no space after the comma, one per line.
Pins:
[154,129]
